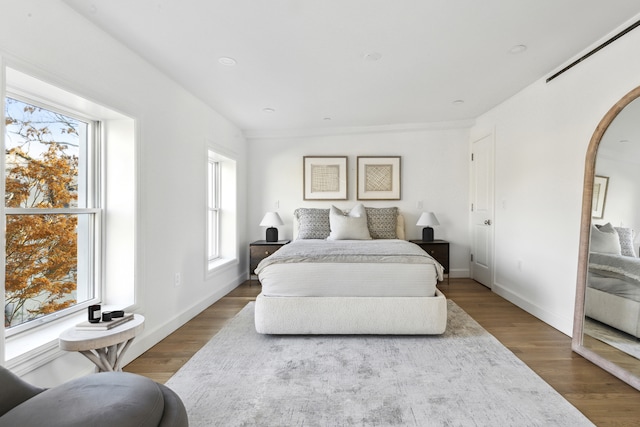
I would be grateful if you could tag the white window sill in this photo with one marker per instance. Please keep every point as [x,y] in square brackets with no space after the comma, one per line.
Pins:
[28,350]
[220,265]
[36,347]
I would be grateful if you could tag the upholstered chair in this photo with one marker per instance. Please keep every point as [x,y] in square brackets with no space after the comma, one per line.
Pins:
[104,399]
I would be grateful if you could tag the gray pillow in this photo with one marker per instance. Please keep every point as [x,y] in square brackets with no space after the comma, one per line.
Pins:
[382,222]
[626,241]
[312,223]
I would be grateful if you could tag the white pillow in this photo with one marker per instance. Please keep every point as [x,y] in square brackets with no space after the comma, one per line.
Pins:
[400,230]
[605,240]
[351,226]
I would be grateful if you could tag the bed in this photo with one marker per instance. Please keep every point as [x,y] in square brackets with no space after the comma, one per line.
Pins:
[613,281]
[350,276]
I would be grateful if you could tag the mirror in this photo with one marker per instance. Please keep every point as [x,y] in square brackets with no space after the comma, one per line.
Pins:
[606,327]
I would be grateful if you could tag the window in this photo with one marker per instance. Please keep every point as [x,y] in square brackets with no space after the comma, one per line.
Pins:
[213,208]
[52,220]
[97,148]
[221,210]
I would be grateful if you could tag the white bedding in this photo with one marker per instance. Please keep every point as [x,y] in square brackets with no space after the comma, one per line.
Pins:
[392,268]
[613,291]
[615,274]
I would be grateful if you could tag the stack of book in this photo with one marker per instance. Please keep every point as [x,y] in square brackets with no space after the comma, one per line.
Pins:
[102,325]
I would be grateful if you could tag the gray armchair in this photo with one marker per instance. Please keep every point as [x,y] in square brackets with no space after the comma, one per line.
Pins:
[104,399]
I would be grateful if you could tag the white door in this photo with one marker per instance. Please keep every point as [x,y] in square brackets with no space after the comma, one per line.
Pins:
[482,210]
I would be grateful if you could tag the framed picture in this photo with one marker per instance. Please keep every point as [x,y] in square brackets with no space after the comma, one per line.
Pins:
[378,178]
[600,184]
[325,178]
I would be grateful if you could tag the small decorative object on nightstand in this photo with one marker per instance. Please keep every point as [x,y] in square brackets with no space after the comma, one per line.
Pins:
[439,250]
[261,249]
[271,220]
[427,219]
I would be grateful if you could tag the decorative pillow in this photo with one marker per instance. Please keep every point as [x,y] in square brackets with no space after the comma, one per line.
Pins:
[312,223]
[351,226]
[604,239]
[400,228]
[382,222]
[626,241]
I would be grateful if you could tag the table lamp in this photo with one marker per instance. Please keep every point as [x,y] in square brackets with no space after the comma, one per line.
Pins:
[427,219]
[271,220]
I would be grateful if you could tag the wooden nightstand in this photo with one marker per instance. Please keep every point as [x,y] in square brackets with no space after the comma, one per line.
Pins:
[259,250]
[438,249]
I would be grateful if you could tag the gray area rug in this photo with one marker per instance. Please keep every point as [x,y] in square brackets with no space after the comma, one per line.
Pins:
[614,337]
[462,378]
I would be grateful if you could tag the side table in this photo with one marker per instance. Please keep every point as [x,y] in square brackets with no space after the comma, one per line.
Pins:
[259,250]
[439,250]
[104,348]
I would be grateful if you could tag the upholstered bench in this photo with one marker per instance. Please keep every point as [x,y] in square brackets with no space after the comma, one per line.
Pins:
[105,399]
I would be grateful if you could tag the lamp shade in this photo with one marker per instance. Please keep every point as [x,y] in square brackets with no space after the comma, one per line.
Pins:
[271,219]
[427,218]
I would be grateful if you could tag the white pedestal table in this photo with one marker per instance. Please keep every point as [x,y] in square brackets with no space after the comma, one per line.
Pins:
[104,348]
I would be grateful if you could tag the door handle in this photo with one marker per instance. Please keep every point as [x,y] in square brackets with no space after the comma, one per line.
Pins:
[487,222]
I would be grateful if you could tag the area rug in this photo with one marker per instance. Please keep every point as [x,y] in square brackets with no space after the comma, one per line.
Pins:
[462,378]
[615,338]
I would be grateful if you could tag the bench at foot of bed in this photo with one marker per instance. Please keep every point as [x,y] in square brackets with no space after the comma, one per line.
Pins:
[351,315]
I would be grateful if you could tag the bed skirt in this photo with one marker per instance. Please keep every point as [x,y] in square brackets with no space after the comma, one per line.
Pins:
[351,315]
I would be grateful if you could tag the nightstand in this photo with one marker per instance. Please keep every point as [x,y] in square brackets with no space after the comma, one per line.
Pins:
[439,250]
[259,250]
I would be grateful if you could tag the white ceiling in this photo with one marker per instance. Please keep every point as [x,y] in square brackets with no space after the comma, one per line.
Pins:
[306,59]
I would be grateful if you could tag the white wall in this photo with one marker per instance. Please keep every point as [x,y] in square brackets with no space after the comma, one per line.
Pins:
[434,171]
[542,134]
[52,42]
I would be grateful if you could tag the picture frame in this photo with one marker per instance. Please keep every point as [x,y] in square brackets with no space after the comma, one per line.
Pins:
[378,177]
[600,186]
[325,177]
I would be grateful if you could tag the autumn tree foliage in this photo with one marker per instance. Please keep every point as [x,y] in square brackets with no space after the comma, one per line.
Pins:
[41,248]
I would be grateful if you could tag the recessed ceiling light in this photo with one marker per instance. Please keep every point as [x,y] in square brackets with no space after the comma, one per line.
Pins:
[372,56]
[326,119]
[458,102]
[225,60]
[624,141]
[519,48]
[268,110]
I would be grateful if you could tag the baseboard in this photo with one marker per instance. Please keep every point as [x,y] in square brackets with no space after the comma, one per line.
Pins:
[459,273]
[157,334]
[560,323]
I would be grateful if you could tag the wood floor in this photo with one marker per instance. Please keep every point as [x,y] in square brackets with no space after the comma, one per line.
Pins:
[604,399]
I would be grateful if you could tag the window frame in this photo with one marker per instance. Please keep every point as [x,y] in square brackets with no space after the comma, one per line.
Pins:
[227,231]
[214,187]
[93,210]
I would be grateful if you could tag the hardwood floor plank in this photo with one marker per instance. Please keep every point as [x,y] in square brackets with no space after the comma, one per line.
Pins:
[604,399]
